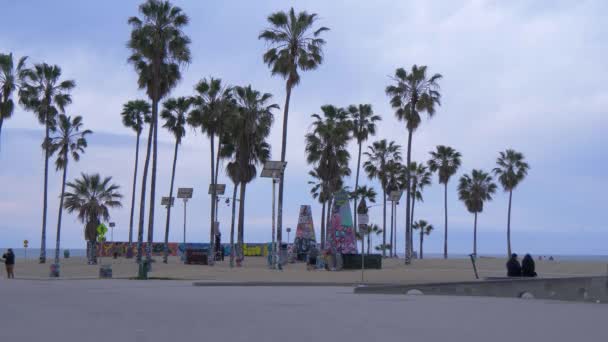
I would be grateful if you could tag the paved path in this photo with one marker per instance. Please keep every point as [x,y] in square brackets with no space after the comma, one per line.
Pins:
[123,310]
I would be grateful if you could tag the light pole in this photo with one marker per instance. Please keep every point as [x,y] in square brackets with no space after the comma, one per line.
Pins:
[288,230]
[214,190]
[112,225]
[274,170]
[363,220]
[185,194]
[394,197]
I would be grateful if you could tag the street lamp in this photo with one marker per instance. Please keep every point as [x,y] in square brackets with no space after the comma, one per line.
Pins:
[363,220]
[214,190]
[274,170]
[112,225]
[394,197]
[288,230]
[185,194]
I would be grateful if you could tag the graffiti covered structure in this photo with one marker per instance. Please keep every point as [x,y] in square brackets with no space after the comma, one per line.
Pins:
[341,235]
[305,233]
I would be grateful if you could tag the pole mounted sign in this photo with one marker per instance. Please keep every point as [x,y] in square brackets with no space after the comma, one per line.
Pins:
[184,193]
[25,243]
[167,200]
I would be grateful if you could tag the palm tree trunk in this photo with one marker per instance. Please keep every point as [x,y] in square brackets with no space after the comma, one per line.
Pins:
[328,221]
[445,220]
[241,233]
[1,122]
[421,241]
[392,226]
[408,231]
[323,226]
[44,202]
[395,229]
[357,187]
[133,195]
[58,238]
[411,242]
[509,225]
[152,181]
[236,186]
[475,236]
[383,222]
[166,247]
[369,242]
[142,202]
[283,151]
[210,256]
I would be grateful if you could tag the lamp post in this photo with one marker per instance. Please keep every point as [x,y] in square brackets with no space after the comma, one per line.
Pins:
[288,230]
[185,194]
[214,190]
[112,225]
[363,220]
[394,197]
[274,170]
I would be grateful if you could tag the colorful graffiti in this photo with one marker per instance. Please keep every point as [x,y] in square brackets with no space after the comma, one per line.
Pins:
[305,233]
[341,235]
[107,249]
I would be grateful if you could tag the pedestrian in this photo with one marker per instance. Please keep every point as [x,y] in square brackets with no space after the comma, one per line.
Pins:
[9,262]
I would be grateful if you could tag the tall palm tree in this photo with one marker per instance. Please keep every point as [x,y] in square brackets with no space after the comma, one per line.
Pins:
[295,45]
[364,124]
[68,141]
[445,161]
[11,77]
[158,48]
[412,94]
[511,170]
[44,93]
[394,171]
[249,130]
[174,114]
[420,177]
[92,197]
[365,193]
[134,115]
[474,190]
[425,229]
[319,192]
[213,104]
[380,154]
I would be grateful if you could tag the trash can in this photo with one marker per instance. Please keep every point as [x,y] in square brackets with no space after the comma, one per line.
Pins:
[54,271]
[144,267]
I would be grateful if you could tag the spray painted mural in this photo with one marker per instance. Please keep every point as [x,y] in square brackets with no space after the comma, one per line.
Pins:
[107,249]
[341,235]
[305,233]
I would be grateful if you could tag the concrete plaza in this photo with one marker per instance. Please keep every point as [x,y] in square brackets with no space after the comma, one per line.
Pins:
[143,311]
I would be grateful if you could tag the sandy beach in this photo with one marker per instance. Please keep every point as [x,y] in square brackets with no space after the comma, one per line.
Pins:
[255,269]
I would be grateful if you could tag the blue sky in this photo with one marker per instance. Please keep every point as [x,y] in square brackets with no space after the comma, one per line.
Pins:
[518,74]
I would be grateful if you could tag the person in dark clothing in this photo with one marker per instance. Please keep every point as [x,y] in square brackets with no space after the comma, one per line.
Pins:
[9,262]
[513,267]
[527,266]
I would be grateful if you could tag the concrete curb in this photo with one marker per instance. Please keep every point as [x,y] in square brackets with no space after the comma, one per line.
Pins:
[271,284]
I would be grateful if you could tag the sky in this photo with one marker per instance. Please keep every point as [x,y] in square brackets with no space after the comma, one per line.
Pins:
[516,74]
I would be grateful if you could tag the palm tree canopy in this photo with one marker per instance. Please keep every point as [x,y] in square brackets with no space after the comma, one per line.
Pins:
[44,93]
[174,113]
[475,189]
[424,227]
[445,161]
[213,104]
[10,79]
[68,139]
[364,121]
[158,46]
[294,44]
[511,170]
[135,114]
[92,197]
[414,93]
[381,153]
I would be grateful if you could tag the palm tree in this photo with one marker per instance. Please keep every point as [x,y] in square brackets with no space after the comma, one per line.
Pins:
[474,190]
[294,46]
[365,193]
[412,94]
[213,106]
[511,170]
[43,93]
[320,192]
[134,115]
[92,197]
[248,132]
[445,161]
[174,114]
[364,125]
[67,141]
[380,154]
[420,177]
[394,171]
[425,229]
[373,230]
[10,79]
[159,47]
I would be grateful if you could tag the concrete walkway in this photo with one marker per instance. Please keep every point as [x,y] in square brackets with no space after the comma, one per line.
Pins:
[145,311]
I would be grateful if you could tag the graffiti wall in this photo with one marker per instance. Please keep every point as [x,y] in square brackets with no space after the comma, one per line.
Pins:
[107,249]
[305,233]
[341,235]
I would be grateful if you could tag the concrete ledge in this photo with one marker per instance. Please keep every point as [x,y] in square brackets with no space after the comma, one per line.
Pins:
[273,283]
[584,289]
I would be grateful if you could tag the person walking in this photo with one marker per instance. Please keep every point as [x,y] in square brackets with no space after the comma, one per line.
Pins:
[9,262]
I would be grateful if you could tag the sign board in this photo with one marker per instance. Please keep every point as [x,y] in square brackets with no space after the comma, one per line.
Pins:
[165,201]
[219,189]
[273,169]
[25,243]
[184,193]
[362,219]
[364,228]
[288,230]
[395,196]
[112,224]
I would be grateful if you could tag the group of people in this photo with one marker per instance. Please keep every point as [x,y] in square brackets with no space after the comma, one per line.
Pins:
[526,269]
[9,262]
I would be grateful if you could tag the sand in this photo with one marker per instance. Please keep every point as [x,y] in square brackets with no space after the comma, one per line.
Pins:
[255,269]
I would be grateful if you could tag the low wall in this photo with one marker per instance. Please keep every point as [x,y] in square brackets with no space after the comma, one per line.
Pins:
[587,289]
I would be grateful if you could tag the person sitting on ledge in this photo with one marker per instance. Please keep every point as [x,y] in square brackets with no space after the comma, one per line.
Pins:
[513,267]
[527,266]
